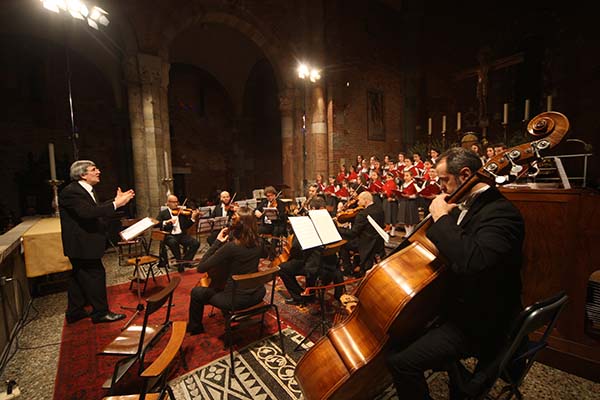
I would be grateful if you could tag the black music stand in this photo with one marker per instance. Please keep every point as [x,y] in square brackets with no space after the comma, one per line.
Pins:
[134,232]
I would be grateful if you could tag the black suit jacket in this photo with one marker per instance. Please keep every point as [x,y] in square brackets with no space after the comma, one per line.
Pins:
[485,257]
[280,209]
[218,211]
[185,222]
[81,222]
[369,240]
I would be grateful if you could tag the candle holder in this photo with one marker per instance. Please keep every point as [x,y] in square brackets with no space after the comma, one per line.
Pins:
[167,183]
[55,183]
[505,135]
[443,139]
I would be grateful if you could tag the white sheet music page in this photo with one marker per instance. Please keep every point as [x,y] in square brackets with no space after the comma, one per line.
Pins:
[379,230]
[137,228]
[305,232]
[324,225]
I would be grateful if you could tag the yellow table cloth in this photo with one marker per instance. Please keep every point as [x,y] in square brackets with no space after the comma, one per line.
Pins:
[42,246]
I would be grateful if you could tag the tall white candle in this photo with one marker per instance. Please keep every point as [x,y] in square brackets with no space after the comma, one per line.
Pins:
[52,161]
[458,121]
[526,116]
[443,124]
[505,115]
[549,103]
[429,126]
[167,175]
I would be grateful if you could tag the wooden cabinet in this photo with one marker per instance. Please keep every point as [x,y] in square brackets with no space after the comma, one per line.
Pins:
[562,250]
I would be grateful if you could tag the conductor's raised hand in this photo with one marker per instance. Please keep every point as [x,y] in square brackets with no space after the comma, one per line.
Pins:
[123,198]
[439,207]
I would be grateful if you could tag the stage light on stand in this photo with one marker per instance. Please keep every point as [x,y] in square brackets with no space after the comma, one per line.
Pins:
[79,10]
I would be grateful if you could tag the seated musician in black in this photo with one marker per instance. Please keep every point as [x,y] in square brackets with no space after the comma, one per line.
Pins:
[240,255]
[481,238]
[362,237]
[223,209]
[176,223]
[275,227]
[311,264]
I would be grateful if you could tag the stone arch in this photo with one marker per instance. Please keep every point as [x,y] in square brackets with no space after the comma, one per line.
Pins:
[270,46]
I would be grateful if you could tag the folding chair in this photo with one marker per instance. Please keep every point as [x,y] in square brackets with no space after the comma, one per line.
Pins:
[132,344]
[516,358]
[251,281]
[155,384]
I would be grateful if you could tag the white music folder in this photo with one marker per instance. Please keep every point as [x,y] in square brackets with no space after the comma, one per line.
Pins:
[315,230]
[138,228]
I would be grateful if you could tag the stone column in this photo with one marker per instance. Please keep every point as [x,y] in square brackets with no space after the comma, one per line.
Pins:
[317,137]
[145,83]
[286,107]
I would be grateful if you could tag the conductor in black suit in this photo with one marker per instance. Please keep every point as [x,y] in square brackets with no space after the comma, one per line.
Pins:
[84,241]
[177,224]
[363,237]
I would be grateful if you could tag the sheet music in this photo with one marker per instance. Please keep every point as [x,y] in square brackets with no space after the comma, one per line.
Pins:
[382,233]
[324,226]
[138,228]
[305,232]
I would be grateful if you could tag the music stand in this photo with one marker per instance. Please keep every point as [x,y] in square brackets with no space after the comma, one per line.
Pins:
[130,233]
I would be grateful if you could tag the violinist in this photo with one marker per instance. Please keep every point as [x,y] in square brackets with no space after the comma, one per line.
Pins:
[313,191]
[224,208]
[241,255]
[362,237]
[176,221]
[311,264]
[275,227]
[482,239]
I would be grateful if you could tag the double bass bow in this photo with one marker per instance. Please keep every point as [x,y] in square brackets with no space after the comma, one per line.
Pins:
[402,293]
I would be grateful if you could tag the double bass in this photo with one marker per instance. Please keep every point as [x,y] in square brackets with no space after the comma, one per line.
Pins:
[402,293]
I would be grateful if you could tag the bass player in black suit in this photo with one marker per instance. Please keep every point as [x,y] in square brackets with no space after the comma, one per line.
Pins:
[84,242]
[482,239]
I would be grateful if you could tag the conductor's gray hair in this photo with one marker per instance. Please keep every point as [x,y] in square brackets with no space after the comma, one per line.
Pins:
[79,168]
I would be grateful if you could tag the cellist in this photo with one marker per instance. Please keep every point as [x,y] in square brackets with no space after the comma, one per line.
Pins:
[481,238]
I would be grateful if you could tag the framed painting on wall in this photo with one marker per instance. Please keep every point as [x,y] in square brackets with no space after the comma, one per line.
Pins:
[375,113]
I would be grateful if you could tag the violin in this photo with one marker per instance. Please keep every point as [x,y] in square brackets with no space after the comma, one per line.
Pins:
[182,210]
[403,292]
[348,215]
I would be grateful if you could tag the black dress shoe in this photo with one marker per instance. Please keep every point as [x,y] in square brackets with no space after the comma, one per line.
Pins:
[195,330]
[72,318]
[108,317]
[293,302]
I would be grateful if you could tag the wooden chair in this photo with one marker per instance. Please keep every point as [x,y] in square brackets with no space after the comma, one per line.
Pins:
[250,281]
[155,384]
[131,345]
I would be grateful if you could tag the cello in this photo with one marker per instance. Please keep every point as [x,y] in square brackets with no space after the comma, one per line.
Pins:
[402,293]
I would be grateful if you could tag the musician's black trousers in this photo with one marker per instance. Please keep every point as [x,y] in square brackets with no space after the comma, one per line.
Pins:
[435,350]
[190,246]
[201,296]
[87,285]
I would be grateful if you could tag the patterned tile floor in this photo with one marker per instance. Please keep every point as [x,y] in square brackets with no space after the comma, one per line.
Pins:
[34,365]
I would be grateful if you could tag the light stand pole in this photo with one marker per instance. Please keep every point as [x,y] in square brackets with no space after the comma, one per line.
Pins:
[94,16]
[304,155]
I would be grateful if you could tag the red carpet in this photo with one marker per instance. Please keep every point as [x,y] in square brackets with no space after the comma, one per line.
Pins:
[81,372]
